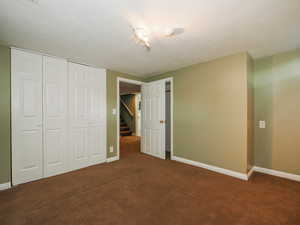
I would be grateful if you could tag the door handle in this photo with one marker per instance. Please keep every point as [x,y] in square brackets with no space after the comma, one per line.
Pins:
[162,121]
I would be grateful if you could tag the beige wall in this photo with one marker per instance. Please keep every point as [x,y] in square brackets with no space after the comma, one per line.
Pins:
[213,112]
[4,114]
[112,103]
[277,100]
[210,112]
[250,112]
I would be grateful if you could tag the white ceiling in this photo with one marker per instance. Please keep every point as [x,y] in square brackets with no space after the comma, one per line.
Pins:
[97,32]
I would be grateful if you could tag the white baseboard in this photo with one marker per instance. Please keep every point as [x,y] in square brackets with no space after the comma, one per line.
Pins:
[154,155]
[111,159]
[250,172]
[277,173]
[212,168]
[5,186]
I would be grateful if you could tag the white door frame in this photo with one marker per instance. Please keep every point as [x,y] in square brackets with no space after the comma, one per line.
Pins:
[138,114]
[170,79]
[120,79]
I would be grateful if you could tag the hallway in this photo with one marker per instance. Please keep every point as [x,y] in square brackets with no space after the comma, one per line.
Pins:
[129,145]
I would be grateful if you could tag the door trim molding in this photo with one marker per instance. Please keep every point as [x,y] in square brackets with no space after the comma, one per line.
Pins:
[235,174]
[120,79]
[170,79]
[5,186]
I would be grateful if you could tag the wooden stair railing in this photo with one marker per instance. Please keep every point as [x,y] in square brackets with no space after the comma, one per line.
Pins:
[126,107]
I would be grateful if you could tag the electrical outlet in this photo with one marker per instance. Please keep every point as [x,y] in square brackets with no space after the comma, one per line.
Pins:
[114,111]
[111,149]
[262,124]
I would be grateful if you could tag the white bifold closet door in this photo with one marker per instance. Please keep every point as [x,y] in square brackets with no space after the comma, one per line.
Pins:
[58,116]
[87,115]
[27,116]
[55,73]
[153,129]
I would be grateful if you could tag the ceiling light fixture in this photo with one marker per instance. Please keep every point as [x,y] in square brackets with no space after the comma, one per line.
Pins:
[173,31]
[142,36]
[169,32]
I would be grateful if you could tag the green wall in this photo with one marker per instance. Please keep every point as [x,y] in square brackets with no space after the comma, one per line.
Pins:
[210,112]
[213,111]
[277,101]
[250,113]
[5,167]
[112,103]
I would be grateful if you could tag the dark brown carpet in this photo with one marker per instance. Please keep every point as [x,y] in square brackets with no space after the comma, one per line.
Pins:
[129,145]
[142,190]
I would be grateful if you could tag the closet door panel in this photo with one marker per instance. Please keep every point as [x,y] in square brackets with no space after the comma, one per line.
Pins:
[27,137]
[79,116]
[55,116]
[96,144]
[79,142]
[97,115]
[88,115]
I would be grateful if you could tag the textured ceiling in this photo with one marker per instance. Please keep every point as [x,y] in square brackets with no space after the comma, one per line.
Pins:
[99,32]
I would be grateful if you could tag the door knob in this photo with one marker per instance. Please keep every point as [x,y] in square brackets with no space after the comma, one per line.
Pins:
[161,121]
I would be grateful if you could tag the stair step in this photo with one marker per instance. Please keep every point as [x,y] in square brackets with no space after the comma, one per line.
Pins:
[124,128]
[125,133]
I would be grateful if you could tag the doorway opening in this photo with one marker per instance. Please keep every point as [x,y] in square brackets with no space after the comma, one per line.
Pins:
[129,117]
[145,118]
[168,120]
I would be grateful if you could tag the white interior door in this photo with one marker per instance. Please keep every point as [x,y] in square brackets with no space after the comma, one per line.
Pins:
[27,118]
[88,115]
[55,116]
[153,111]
